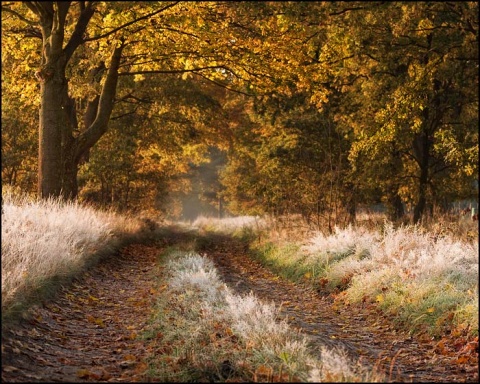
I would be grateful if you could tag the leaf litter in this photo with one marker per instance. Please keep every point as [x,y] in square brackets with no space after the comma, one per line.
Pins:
[89,333]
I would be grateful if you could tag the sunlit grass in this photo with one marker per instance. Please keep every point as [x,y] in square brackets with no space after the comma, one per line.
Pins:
[424,280]
[44,241]
[203,332]
[228,224]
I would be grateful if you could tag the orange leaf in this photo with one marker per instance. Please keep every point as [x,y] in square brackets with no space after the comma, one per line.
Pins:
[462,360]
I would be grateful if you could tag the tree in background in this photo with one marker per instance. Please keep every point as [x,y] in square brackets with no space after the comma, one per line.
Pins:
[413,110]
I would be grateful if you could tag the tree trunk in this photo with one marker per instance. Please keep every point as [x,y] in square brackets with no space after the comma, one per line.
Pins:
[59,152]
[50,135]
[423,144]
[395,208]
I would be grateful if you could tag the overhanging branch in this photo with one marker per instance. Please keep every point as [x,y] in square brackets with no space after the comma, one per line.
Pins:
[172,71]
[131,23]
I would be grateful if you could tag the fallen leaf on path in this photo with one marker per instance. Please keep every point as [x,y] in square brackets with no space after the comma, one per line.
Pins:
[9,368]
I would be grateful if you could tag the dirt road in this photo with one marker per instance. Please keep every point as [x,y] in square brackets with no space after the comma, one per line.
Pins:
[90,332]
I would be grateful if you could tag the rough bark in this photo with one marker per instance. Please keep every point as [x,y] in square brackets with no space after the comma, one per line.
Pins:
[57,164]
[51,76]
[50,137]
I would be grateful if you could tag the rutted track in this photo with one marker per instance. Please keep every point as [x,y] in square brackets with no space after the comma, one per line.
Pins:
[90,331]
[368,338]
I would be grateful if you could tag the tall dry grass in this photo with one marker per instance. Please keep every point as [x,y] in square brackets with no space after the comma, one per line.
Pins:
[47,240]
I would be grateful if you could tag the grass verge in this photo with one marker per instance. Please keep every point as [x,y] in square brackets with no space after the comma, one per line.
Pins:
[427,280]
[201,331]
[47,243]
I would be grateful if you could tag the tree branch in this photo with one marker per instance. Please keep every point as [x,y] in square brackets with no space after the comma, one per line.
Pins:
[18,15]
[43,9]
[77,36]
[164,71]
[88,138]
[131,22]
[224,86]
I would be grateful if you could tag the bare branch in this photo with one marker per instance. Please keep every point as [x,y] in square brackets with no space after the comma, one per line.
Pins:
[345,11]
[224,86]
[77,36]
[125,114]
[105,106]
[172,70]
[62,11]
[44,9]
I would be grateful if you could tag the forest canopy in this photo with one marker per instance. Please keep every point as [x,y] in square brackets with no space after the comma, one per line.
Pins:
[308,108]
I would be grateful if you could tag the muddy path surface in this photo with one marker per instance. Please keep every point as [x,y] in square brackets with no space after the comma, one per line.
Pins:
[91,331]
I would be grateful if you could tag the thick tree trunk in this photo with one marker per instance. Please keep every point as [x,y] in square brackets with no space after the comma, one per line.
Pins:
[50,136]
[58,163]
[59,152]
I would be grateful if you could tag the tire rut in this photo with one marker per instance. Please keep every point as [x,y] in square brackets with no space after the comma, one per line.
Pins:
[369,339]
[89,332]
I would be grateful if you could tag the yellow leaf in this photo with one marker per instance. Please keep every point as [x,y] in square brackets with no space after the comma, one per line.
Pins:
[83,373]
[431,310]
[380,299]
[308,275]
[100,322]
[93,320]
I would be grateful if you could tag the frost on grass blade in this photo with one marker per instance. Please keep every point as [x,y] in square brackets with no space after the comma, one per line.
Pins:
[207,313]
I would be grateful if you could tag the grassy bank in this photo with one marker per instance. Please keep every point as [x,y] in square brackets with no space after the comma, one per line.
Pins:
[426,280]
[45,243]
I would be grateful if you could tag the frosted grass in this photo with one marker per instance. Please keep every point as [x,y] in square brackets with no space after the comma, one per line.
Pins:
[228,224]
[43,239]
[203,302]
[407,269]
[405,249]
